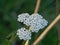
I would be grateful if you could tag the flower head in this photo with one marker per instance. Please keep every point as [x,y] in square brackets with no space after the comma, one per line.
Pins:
[24,34]
[37,22]
[22,17]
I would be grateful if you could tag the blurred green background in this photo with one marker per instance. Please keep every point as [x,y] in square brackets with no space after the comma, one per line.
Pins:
[10,9]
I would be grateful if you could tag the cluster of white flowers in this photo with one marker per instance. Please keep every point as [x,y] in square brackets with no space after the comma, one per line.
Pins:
[23,17]
[35,22]
[24,34]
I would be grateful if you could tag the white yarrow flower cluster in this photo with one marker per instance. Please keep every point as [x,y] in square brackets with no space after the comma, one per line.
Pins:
[24,34]
[35,22]
[23,17]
